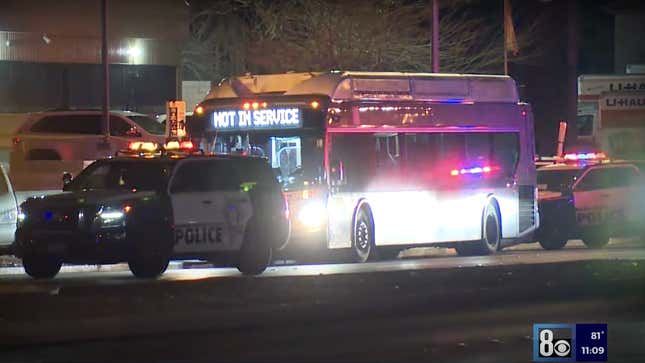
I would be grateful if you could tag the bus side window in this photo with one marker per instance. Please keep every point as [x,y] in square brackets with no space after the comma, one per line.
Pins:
[387,150]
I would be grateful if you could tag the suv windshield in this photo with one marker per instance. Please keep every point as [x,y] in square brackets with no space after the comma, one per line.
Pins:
[149,124]
[556,180]
[123,175]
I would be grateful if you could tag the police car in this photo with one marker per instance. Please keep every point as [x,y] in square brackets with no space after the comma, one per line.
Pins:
[589,200]
[148,210]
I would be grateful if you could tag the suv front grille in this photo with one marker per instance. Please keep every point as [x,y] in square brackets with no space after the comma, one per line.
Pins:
[55,219]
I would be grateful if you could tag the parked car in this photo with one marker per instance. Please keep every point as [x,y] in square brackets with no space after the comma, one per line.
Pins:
[593,202]
[52,142]
[148,210]
[8,210]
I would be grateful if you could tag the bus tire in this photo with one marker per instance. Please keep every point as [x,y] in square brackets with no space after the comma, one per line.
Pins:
[363,237]
[491,235]
[41,266]
[256,253]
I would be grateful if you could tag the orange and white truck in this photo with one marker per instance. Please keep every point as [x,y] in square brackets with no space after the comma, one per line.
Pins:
[611,114]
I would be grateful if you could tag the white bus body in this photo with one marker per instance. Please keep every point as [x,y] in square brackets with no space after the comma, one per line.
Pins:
[424,154]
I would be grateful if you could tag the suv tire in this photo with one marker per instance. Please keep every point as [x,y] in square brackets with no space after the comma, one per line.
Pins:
[256,252]
[41,266]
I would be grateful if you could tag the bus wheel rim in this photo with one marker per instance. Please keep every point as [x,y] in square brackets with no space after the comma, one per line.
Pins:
[362,236]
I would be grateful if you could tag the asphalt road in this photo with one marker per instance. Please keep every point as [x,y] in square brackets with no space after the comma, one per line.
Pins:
[437,308]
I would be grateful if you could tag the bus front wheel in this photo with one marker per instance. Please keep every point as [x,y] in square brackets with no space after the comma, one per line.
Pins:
[364,249]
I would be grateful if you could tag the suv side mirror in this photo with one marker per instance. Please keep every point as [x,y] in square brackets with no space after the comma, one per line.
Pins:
[67,178]
[336,172]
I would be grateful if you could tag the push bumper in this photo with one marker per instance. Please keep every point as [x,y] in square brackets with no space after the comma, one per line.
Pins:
[75,247]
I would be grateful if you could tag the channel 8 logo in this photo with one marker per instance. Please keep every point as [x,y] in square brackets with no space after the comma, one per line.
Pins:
[553,343]
[550,346]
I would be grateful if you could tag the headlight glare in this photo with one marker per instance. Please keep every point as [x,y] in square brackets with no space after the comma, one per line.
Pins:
[312,214]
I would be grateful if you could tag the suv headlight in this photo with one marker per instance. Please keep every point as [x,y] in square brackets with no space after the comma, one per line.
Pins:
[110,216]
[21,217]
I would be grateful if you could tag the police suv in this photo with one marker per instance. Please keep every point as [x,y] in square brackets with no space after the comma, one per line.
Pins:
[591,201]
[146,211]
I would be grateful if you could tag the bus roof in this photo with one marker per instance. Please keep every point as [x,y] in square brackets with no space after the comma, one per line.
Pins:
[345,86]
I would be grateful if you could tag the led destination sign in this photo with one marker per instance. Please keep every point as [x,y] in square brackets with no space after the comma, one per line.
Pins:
[270,118]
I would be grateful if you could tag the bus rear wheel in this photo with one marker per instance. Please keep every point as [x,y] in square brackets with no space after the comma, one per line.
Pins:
[364,249]
[491,236]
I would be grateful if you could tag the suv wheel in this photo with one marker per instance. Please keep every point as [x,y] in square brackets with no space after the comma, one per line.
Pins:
[596,240]
[150,255]
[41,266]
[148,268]
[256,252]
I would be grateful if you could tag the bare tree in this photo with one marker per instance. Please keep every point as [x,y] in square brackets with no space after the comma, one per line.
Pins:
[219,39]
[379,35]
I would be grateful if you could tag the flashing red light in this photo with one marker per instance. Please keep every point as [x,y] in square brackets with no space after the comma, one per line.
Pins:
[523,113]
[199,110]
[127,208]
[16,140]
[186,145]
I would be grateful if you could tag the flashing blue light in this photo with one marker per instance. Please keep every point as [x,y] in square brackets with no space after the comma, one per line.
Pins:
[452,100]
[49,216]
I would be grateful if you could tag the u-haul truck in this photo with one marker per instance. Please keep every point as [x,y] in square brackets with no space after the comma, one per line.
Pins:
[611,114]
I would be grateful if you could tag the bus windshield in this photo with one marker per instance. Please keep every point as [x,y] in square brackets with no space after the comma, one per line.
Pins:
[295,160]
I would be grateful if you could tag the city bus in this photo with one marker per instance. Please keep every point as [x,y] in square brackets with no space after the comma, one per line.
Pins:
[375,163]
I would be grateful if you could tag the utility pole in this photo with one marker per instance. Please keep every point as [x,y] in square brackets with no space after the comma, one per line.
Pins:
[435,36]
[572,68]
[505,38]
[106,69]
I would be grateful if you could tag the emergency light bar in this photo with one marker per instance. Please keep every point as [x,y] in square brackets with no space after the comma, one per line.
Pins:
[143,146]
[179,145]
[475,170]
[585,156]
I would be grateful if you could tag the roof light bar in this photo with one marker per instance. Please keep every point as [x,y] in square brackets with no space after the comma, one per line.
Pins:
[473,171]
[585,156]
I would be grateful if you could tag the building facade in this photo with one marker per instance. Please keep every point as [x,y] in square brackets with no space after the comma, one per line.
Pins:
[50,54]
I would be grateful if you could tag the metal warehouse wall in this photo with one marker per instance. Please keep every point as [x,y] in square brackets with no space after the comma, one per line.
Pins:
[28,87]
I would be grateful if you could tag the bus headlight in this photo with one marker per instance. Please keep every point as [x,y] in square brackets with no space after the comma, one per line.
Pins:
[312,214]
